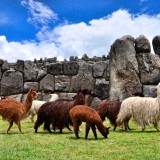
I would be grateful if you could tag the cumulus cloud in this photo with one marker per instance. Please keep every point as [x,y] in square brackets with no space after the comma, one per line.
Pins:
[94,38]
[39,13]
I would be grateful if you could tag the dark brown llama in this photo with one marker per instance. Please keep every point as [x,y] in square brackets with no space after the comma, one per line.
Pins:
[109,109]
[14,111]
[81,113]
[57,112]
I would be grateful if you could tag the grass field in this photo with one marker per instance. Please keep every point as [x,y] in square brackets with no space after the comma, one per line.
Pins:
[134,145]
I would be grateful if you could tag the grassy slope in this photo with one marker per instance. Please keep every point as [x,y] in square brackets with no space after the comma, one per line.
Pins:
[134,145]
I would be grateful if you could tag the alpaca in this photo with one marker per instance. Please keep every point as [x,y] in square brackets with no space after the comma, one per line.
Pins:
[82,113]
[109,109]
[57,112]
[14,111]
[36,104]
[144,110]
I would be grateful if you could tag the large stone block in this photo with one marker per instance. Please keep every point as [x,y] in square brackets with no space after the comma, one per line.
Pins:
[55,69]
[30,85]
[100,69]
[62,83]
[156,45]
[124,72]
[70,68]
[30,74]
[11,82]
[47,83]
[84,77]
[149,67]
[142,45]
[150,90]
[102,88]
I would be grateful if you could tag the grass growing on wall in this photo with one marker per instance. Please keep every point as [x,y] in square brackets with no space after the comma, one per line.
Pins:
[134,145]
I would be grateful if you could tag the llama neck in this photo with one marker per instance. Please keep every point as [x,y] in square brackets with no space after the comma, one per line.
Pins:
[89,101]
[79,100]
[28,103]
[101,128]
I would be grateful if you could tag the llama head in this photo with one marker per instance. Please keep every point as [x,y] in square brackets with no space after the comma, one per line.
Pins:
[106,132]
[33,94]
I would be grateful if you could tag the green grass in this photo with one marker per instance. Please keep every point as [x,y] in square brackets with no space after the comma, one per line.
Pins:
[134,145]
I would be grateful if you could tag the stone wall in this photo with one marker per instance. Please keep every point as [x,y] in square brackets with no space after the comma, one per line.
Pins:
[130,69]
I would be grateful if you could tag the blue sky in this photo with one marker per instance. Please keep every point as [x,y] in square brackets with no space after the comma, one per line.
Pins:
[62,28]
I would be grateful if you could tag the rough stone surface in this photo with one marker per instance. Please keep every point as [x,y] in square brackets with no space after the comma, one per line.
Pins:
[11,82]
[95,102]
[70,68]
[41,74]
[102,88]
[124,80]
[99,69]
[142,45]
[17,97]
[67,95]
[30,85]
[19,65]
[55,69]
[1,62]
[156,45]
[84,77]
[5,66]
[47,83]
[62,83]
[150,90]
[149,66]
[30,74]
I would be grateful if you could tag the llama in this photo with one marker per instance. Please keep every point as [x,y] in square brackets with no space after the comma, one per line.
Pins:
[57,112]
[144,110]
[82,113]
[36,104]
[14,111]
[109,109]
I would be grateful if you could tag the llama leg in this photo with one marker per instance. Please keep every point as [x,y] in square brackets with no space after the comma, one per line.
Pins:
[67,126]
[47,127]
[32,117]
[94,131]
[76,129]
[19,126]
[10,125]
[87,130]
[156,126]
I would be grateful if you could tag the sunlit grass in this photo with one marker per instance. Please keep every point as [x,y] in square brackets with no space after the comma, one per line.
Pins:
[134,145]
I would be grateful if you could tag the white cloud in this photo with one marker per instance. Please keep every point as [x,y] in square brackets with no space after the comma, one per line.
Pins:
[40,14]
[94,39]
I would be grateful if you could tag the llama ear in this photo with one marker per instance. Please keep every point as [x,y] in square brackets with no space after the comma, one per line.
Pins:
[31,89]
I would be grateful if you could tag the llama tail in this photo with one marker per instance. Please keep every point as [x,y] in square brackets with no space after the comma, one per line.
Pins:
[119,119]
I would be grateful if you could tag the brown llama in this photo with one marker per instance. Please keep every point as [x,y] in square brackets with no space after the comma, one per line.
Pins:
[81,113]
[14,111]
[57,112]
[109,109]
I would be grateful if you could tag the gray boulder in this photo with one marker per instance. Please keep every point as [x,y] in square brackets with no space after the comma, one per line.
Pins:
[55,69]
[149,67]
[84,77]
[124,80]
[150,90]
[70,68]
[102,88]
[142,45]
[47,83]
[19,65]
[99,69]
[30,74]
[11,82]
[5,66]
[30,85]
[62,83]
[156,45]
